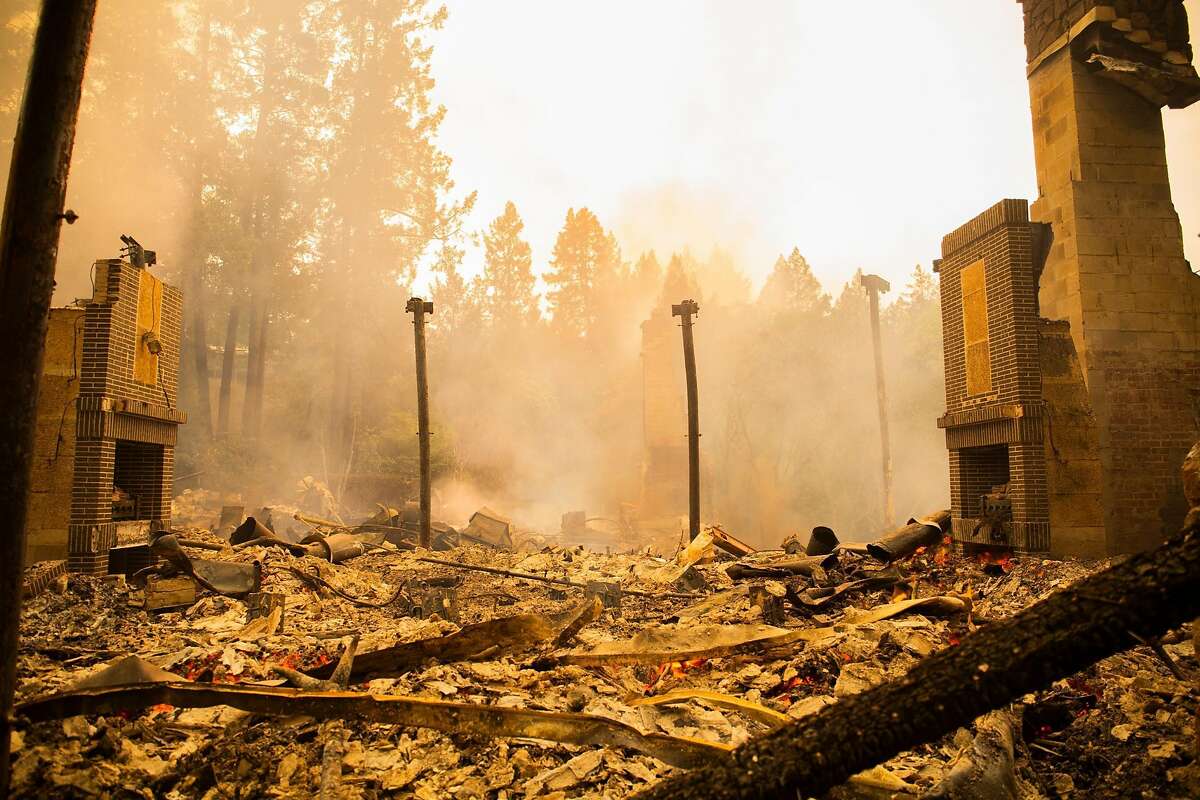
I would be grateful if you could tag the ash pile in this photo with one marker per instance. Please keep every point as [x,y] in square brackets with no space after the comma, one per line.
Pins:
[300,656]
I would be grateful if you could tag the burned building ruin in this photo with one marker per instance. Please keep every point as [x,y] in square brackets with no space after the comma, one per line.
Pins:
[112,371]
[1072,341]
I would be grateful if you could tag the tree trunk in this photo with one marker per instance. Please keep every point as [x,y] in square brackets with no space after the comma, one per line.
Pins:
[196,351]
[33,214]
[197,348]
[252,354]
[255,369]
[227,359]
[1146,595]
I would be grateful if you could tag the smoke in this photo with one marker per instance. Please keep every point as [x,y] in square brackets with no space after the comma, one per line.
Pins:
[529,418]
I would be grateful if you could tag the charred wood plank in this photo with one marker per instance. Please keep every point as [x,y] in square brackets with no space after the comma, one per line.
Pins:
[1145,595]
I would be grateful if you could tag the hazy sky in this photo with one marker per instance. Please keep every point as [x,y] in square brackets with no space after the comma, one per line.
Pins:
[860,132]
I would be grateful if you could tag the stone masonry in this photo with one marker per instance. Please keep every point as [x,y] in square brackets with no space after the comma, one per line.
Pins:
[1115,271]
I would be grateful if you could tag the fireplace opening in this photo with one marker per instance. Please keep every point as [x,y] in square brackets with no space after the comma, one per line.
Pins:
[137,481]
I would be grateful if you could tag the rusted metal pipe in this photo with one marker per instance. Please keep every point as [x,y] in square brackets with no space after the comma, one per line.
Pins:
[33,215]
[419,309]
[874,286]
[685,311]
[925,532]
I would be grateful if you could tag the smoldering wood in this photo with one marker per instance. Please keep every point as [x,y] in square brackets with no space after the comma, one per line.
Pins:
[33,214]
[1146,595]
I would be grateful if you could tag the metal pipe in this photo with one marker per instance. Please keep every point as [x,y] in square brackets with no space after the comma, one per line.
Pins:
[685,311]
[33,215]
[419,309]
[874,286]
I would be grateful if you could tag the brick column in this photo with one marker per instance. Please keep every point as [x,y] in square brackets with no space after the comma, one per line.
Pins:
[91,531]
[1116,272]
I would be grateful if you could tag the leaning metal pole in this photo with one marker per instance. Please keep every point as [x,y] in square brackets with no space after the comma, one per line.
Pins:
[685,311]
[874,286]
[419,309]
[33,214]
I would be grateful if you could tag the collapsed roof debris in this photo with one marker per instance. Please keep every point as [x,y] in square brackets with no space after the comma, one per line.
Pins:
[540,689]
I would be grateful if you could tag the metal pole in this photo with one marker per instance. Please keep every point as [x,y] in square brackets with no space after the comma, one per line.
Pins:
[33,214]
[874,286]
[685,311]
[419,309]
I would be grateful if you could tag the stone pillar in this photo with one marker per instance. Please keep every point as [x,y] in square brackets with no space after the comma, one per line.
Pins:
[1115,270]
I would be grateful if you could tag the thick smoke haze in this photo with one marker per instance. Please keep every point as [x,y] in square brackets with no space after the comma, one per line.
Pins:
[301,169]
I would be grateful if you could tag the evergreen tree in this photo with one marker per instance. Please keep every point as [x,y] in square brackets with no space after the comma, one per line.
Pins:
[509,299]
[852,302]
[680,281]
[455,304]
[586,264]
[723,282]
[647,274]
[792,286]
[387,187]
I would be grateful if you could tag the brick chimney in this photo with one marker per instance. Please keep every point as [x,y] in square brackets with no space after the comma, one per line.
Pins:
[1099,73]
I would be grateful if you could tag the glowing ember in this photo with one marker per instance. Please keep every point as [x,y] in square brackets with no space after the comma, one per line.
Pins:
[677,669]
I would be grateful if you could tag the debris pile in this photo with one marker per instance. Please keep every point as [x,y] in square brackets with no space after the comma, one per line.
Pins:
[341,660]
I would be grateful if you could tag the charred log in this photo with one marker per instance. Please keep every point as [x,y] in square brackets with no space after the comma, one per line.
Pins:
[1146,595]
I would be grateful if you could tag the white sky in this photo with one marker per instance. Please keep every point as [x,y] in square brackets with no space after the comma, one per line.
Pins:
[861,132]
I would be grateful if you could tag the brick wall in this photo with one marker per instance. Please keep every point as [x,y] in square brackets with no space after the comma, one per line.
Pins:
[995,434]
[126,411]
[1001,237]
[1116,273]
[112,340]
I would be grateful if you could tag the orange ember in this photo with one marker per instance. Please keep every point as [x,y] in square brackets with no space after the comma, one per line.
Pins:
[677,669]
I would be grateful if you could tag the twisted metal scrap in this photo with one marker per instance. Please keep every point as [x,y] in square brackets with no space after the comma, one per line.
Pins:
[1143,596]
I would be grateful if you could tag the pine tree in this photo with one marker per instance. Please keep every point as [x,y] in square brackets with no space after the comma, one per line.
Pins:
[921,288]
[723,282]
[792,286]
[585,266]
[455,301]
[508,281]
[387,191]
[680,282]
[852,302]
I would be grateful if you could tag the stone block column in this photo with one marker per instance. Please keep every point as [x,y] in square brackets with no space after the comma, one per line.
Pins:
[1115,269]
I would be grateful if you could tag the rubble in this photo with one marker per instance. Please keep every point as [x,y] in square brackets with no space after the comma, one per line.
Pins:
[567,673]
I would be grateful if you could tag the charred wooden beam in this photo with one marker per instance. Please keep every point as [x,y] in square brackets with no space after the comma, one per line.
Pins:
[419,308]
[33,215]
[418,712]
[876,285]
[1145,595]
[685,311]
